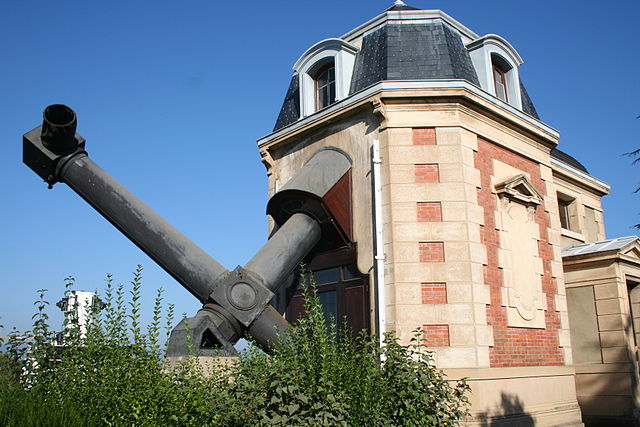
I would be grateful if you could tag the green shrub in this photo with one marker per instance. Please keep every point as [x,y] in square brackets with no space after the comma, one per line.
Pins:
[115,375]
[317,375]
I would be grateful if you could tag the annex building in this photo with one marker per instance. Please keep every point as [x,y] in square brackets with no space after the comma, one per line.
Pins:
[463,220]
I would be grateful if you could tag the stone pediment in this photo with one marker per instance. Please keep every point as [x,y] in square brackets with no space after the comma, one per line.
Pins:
[520,189]
[632,251]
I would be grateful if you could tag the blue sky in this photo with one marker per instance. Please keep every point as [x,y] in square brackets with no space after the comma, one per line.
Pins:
[171,97]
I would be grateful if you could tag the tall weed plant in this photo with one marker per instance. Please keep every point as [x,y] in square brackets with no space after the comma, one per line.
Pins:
[115,374]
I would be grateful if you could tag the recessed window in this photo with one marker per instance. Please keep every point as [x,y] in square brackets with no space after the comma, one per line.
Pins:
[324,72]
[325,85]
[343,293]
[500,69]
[327,275]
[500,82]
[564,212]
[496,63]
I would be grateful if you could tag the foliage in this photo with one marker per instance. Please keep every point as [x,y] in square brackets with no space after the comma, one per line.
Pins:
[115,374]
[319,375]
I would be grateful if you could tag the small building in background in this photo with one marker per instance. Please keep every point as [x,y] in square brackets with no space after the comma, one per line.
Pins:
[79,308]
[462,220]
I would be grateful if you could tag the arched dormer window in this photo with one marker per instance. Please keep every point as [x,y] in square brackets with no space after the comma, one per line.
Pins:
[324,71]
[500,69]
[325,85]
[496,63]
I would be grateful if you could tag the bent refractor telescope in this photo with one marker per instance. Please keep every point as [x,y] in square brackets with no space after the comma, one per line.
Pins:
[235,303]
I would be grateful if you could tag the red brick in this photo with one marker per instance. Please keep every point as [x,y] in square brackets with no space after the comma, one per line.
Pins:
[434,293]
[429,211]
[424,136]
[435,335]
[431,251]
[428,172]
[515,346]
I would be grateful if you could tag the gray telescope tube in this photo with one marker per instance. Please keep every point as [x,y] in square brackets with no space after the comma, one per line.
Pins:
[274,263]
[173,251]
[235,302]
[284,250]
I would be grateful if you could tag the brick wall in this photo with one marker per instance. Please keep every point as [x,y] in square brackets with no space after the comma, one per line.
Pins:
[429,212]
[434,293]
[431,251]
[515,346]
[424,136]
[435,335]
[427,172]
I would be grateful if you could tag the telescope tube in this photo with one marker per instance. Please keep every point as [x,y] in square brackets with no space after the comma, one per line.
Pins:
[284,250]
[186,262]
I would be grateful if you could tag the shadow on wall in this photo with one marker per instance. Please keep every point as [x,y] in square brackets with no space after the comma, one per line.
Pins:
[511,413]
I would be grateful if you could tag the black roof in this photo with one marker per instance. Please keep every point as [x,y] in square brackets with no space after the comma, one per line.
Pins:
[566,158]
[411,52]
[424,51]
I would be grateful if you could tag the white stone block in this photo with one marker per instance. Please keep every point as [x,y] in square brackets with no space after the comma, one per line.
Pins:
[484,335]
[456,357]
[461,335]
[454,314]
[560,302]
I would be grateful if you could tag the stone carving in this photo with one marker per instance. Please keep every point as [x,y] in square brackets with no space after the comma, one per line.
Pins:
[522,266]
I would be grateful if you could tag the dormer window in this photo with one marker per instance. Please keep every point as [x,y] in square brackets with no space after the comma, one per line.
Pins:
[496,63]
[325,85]
[500,80]
[324,72]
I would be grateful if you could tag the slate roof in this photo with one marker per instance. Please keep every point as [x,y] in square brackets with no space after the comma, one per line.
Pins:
[424,51]
[527,104]
[566,158]
[290,111]
[411,52]
[601,246]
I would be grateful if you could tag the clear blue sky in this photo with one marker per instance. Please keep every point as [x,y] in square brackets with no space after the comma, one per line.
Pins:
[171,97]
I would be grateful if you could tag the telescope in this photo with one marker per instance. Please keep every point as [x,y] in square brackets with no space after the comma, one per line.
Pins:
[235,303]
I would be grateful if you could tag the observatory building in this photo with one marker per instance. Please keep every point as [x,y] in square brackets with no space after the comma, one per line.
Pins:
[459,217]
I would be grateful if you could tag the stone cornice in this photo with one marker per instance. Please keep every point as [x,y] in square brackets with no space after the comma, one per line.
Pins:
[580,178]
[460,91]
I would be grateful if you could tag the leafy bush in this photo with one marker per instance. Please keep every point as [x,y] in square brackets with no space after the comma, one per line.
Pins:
[115,375]
[317,375]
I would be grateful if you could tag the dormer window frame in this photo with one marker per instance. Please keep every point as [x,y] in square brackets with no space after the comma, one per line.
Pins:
[325,85]
[500,83]
[335,51]
[491,53]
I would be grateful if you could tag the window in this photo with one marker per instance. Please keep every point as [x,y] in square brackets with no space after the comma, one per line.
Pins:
[496,63]
[343,293]
[500,82]
[325,86]
[324,71]
[564,212]
[500,69]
